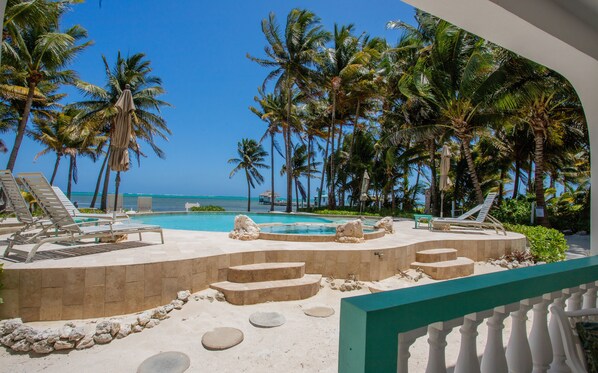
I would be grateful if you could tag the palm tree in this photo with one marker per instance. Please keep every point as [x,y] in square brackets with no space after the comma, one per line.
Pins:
[99,112]
[41,55]
[291,53]
[251,158]
[301,168]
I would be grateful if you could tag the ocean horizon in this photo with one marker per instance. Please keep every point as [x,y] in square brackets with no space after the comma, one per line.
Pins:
[176,202]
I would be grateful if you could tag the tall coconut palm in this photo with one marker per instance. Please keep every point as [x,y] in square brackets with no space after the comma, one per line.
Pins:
[291,53]
[251,157]
[41,54]
[300,168]
[100,113]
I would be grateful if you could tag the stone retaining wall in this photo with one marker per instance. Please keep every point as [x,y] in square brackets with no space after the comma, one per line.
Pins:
[80,293]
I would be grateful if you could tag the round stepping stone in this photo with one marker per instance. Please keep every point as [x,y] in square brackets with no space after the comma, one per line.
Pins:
[267,319]
[165,362]
[319,311]
[222,338]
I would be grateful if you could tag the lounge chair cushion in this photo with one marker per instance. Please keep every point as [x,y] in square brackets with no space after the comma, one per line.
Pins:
[588,336]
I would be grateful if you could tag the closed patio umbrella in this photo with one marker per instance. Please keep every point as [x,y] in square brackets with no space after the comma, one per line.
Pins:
[365,185]
[121,136]
[445,182]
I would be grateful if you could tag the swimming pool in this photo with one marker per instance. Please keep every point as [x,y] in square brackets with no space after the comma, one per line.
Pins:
[224,221]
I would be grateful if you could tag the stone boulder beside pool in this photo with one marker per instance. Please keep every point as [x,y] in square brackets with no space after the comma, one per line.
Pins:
[385,223]
[245,229]
[350,232]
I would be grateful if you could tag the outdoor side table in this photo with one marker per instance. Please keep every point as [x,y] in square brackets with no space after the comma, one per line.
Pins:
[418,217]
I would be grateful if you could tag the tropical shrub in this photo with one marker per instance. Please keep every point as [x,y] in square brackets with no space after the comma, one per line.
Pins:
[545,244]
[208,208]
[513,211]
[569,211]
[84,210]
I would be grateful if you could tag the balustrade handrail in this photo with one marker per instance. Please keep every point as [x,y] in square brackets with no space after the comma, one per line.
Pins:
[370,324]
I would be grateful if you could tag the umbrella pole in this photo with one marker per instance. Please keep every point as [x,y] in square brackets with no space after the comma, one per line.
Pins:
[117,185]
[441,203]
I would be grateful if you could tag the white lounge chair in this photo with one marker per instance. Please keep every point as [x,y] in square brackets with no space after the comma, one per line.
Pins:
[33,226]
[74,211]
[573,351]
[482,220]
[68,229]
[144,204]
[188,205]
[110,203]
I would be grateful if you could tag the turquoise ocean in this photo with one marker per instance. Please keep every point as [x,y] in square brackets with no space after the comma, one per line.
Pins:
[173,202]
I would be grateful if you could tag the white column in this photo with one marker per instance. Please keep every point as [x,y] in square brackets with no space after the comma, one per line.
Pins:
[405,341]
[589,298]
[539,338]
[437,333]
[468,362]
[558,364]
[574,302]
[493,359]
[519,354]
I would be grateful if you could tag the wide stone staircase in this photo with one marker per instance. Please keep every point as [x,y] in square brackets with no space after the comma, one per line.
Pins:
[442,264]
[265,282]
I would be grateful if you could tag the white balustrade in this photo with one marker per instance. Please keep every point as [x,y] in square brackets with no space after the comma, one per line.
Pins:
[405,341]
[558,364]
[437,333]
[574,302]
[539,338]
[494,359]
[589,298]
[519,354]
[467,361]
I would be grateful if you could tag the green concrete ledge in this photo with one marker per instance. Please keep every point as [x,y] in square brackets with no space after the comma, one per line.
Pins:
[369,324]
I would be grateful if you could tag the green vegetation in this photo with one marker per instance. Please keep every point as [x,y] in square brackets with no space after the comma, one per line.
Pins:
[251,160]
[546,244]
[90,211]
[355,211]
[208,208]
[360,103]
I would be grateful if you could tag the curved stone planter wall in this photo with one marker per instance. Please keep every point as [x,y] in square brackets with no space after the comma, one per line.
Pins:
[90,292]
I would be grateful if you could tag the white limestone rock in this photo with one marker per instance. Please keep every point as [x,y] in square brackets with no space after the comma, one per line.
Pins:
[42,347]
[77,334]
[125,330]
[160,313]
[152,323]
[136,328]
[7,340]
[183,295]
[169,307]
[385,223]
[10,326]
[63,345]
[103,328]
[177,304]
[144,318]
[245,229]
[115,326]
[220,297]
[21,346]
[102,338]
[22,332]
[350,232]
[85,342]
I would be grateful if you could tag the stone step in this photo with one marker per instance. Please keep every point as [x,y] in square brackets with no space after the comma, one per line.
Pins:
[435,255]
[447,269]
[266,272]
[267,291]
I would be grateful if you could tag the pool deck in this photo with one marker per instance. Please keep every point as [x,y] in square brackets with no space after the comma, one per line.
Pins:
[101,280]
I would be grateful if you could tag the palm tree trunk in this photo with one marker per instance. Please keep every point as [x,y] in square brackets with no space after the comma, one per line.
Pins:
[21,129]
[104,202]
[416,183]
[331,196]
[355,125]
[324,166]
[69,183]
[529,177]
[517,179]
[97,189]
[433,194]
[296,195]
[501,186]
[539,176]
[272,168]
[248,191]
[472,172]
[308,171]
[58,156]
[289,207]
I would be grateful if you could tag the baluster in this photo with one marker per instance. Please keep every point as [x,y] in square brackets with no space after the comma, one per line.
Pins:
[437,333]
[519,354]
[405,341]
[539,337]
[468,362]
[574,303]
[558,364]
[493,359]
[589,298]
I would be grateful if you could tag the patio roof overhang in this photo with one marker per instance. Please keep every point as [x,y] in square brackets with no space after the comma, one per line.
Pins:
[560,34]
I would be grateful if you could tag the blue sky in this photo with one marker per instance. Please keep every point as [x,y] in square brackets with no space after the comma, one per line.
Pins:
[199,50]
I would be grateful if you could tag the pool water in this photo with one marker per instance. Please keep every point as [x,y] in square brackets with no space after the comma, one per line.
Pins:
[224,222]
[304,229]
